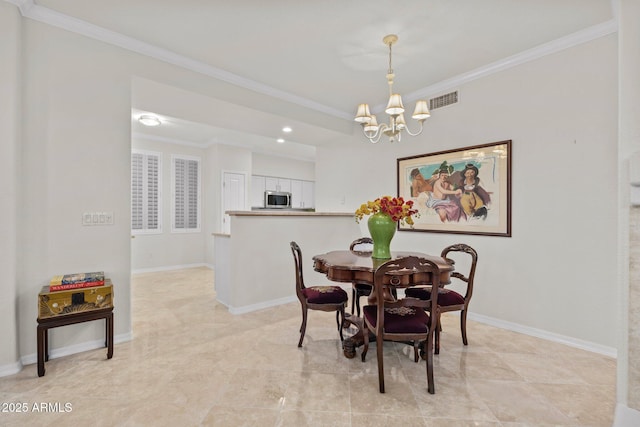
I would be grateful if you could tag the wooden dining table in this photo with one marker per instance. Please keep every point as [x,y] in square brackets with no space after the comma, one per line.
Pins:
[353,267]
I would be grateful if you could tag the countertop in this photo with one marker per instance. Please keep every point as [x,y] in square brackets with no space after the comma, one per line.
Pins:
[288,213]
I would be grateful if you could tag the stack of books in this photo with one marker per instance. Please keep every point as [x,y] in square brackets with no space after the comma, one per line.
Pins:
[76,281]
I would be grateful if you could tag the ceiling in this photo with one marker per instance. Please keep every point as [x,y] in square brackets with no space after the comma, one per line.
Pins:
[325,57]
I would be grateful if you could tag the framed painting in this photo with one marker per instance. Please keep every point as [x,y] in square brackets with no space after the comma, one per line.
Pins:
[466,190]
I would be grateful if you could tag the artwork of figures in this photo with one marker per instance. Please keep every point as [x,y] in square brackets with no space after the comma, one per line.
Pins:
[466,190]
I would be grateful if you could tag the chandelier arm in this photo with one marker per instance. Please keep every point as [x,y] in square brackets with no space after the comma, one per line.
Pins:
[419,130]
[376,136]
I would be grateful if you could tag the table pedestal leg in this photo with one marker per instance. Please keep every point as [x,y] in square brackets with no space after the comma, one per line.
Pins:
[350,344]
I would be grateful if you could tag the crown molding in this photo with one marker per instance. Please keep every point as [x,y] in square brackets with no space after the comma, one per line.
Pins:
[30,10]
[575,39]
[33,11]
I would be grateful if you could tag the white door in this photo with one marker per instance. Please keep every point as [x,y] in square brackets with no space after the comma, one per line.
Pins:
[233,197]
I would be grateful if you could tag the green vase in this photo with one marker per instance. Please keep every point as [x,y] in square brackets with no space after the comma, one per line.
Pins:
[382,229]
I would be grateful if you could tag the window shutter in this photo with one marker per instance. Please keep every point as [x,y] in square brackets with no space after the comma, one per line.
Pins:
[136,191]
[186,203]
[146,193]
[153,193]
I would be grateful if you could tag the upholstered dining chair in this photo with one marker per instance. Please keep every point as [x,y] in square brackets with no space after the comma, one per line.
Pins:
[406,320]
[364,247]
[448,299]
[323,298]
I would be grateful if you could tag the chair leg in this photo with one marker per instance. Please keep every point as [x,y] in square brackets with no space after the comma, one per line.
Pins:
[353,300]
[365,344]
[463,326]
[380,351]
[429,350]
[437,333]
[303,327]
[340,321]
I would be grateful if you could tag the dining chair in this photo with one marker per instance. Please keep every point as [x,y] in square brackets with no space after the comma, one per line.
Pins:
[448,299]
[363,247]
[405,320]
[323,298]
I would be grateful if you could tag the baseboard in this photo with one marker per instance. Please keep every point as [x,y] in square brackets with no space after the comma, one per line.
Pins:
[10,369]
[260,306]
[626,417]
[76,348]
[170,268]
[550,336]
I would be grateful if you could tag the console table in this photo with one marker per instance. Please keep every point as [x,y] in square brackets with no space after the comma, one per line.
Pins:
[53,322]
[70,307]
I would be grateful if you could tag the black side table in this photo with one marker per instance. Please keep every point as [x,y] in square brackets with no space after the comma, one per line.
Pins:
[69,319]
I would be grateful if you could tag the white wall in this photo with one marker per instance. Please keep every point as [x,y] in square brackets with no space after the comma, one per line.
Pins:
[282,167]
[75,145]
[9,134]
[561,113]
[168,249]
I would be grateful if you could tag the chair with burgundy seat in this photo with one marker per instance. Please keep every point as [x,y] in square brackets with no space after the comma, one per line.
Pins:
[448,299]
[323,298]
[363,247]
[405,320]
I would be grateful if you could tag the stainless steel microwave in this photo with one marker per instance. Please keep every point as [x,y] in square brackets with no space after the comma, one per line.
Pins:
[277,199]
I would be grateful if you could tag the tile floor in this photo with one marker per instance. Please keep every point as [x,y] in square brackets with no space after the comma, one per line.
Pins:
[191,363]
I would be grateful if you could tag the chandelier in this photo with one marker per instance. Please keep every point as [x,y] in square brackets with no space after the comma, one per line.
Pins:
[372,130]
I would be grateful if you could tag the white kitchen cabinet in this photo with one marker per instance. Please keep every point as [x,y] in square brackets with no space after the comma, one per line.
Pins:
[308,195]
[277,184]
[296,193]
[302,194]
[257,191]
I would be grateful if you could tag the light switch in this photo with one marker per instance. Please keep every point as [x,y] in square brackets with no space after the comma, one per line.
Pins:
[635,196]
[86,218]
[97,218]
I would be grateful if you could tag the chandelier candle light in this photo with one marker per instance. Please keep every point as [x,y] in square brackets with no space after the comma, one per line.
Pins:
[372,130]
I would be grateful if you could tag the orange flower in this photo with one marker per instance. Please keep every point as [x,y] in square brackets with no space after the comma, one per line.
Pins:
[395,207]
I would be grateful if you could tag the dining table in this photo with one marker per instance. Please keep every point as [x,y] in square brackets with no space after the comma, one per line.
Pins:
[349,266]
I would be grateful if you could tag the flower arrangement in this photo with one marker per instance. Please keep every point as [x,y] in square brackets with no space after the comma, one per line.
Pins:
[395,207]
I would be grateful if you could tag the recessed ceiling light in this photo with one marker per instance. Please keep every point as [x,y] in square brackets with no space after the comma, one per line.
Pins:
[286,129]
[280,140]
[149,120]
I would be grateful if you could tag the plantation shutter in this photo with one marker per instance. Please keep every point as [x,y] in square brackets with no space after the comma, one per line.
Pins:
[145,192]
[186,209]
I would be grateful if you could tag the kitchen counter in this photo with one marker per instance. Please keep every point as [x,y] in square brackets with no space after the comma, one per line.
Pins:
[254,266]
[286,212]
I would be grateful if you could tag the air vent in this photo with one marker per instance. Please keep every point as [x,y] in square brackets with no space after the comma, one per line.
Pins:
[443,100]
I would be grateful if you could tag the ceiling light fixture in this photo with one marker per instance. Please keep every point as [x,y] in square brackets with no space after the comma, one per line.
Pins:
[286,129]
[394,109]
[149,120]
[280,140]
